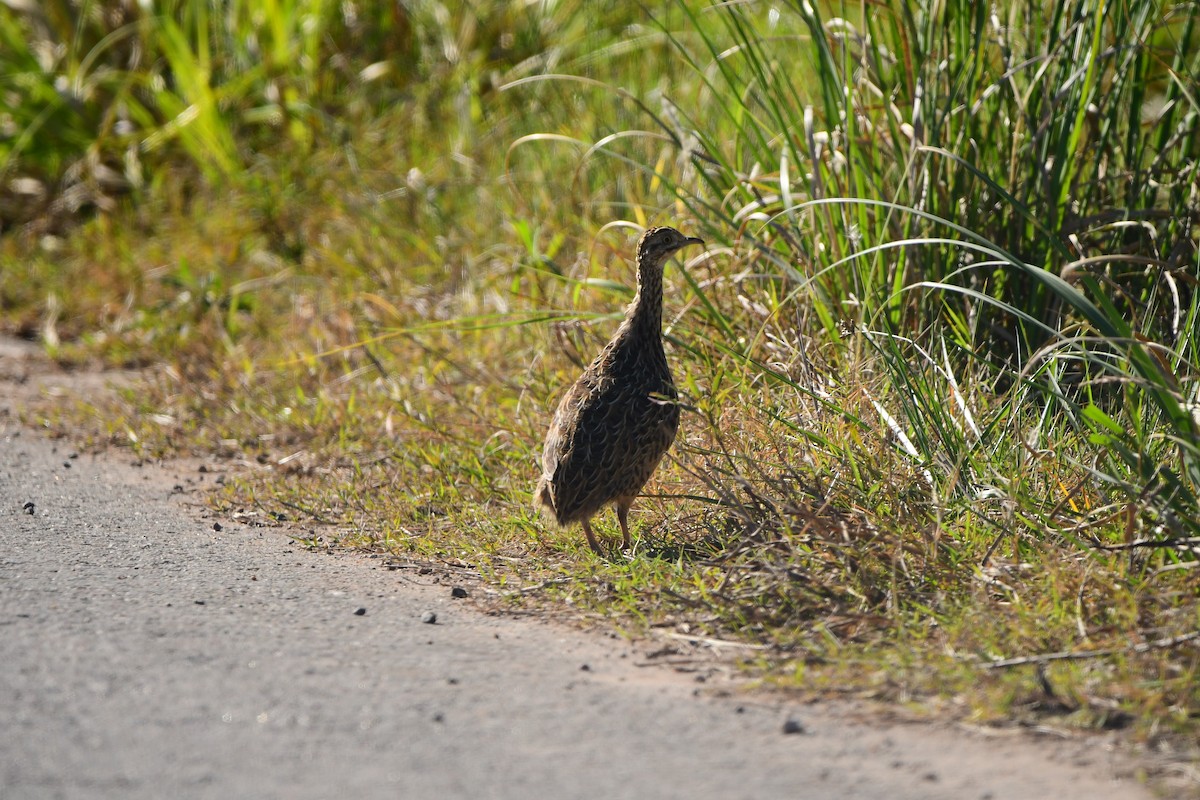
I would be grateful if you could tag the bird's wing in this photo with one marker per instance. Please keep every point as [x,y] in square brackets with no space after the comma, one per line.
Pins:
[580,441]
[597,427]
[577,421]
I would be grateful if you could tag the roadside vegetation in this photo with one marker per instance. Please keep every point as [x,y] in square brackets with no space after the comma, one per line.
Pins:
[939,358]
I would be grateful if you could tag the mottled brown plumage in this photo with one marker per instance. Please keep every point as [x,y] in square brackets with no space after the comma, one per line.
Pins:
[618,420]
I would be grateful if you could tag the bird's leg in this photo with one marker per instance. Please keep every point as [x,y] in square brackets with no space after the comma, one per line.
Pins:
[591,537]
[623,518]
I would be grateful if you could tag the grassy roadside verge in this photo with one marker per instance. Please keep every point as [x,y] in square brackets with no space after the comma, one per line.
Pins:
[937,359]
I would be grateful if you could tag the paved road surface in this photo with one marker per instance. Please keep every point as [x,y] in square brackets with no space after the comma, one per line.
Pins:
[145,655]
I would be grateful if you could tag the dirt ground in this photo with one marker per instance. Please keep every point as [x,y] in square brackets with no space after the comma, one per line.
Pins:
[152,650]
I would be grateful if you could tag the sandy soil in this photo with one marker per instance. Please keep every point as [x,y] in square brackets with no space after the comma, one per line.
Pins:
[147,653]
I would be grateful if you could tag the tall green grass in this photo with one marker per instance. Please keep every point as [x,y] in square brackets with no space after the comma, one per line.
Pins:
[999,204]
[98,98]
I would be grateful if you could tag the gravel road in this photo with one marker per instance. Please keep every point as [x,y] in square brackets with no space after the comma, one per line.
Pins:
[147,655]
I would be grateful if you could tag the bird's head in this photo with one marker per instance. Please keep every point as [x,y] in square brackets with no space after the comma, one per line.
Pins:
[658,243]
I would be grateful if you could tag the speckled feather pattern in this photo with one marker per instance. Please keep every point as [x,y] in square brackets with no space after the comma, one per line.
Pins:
[611,429]
[620,417]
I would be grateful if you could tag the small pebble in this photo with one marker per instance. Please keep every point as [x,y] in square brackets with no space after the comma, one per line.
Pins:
[359,612]
[585,668]
[217,527]
[66,465]
[458,591]
[429,618]
[199,602]
[793,725]
[438,717]
[29,507]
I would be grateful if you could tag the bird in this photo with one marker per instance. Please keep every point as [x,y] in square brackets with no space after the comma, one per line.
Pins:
[615,423]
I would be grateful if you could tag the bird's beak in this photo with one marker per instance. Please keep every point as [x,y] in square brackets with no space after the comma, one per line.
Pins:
[693,240]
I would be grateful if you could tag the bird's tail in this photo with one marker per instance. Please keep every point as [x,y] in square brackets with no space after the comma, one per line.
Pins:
[543,495]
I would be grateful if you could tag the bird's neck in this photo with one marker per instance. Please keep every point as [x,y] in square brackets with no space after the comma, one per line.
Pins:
[646,310]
